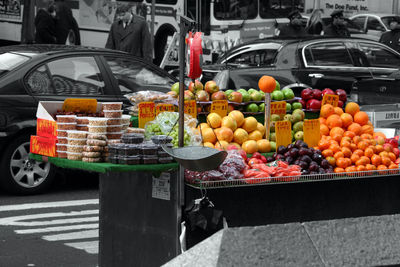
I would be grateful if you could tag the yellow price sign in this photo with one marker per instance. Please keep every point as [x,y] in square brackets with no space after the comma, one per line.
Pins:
[191,108]
[283,132]
[311,132]
[164,107]
[330,99]
[81,104]
[220,107]
[278,107]
[147,112]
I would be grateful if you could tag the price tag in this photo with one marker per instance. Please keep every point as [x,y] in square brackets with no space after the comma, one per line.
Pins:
[147,112]
[283,131]
[330,99]
[311,132]
[81,104]
[220,107]
[278,107]
[191,108]
[164,107]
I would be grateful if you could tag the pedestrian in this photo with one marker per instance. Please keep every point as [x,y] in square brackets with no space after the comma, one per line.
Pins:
[295,27]
[314,24]
[392,37]
[67,29]
[131,34]
[45,24]
[338,25]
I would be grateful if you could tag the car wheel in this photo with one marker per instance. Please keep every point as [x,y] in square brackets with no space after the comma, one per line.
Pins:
[22,175]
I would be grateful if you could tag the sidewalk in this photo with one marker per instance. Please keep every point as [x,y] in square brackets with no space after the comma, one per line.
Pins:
[363,241]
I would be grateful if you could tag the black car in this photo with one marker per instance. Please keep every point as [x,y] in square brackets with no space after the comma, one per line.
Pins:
[29,74]
[317,62]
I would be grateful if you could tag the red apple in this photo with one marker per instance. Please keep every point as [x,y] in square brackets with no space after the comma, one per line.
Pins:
[327,91]
[202,96]
[303,103]
[342,94]
[218,96]
[235,97]
[313,104]
[189,95]
[307,94]
[230,108]
[211,87]
[195,86]
[396,151]
[393,142]
[317,94]
[340,104]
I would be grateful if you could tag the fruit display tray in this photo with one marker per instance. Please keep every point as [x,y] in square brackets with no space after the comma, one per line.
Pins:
[250,102]
[293,179]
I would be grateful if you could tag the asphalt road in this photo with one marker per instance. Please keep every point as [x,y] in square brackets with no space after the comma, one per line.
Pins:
[58,228]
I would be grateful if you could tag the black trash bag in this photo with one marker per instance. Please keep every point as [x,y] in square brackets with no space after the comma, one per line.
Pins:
[202,220]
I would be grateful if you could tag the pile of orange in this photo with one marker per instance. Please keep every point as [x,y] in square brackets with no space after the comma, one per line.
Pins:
[348,143]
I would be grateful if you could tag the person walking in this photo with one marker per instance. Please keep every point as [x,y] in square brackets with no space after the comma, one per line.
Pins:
[295,27]
[131,34]
[392,37]
[66,26]
[45,25]
[337,26]
[314,24]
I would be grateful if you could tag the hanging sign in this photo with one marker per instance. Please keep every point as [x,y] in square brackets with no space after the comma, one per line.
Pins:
[283,132]
[164,107]
[191,108]
[220,107]
[311,132]
[330,99]
[147,112]
[278,107]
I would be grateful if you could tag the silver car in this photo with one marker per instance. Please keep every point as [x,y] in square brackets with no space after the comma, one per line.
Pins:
[373,25]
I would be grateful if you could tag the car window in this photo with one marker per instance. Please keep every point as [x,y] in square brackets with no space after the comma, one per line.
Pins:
[10,61]
[374,24]
[254,58]
[67,76]
[133,75]
[380,57]
[328,54]
[359,21]
[389,19]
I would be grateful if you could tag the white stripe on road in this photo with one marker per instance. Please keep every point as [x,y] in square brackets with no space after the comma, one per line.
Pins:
[91,247]
[42,205]
[58,228]
[73,235]
[16,220]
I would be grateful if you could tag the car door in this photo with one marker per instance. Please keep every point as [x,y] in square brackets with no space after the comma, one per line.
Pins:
[384,65]
[329,64]
[69,77]
[359,26]
[375,28]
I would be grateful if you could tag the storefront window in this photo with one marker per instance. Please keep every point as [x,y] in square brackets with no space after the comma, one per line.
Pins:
[279,8]
[235,10]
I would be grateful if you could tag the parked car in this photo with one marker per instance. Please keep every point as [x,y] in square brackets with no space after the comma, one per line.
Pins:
[29,74]
[319,62]
[373,25]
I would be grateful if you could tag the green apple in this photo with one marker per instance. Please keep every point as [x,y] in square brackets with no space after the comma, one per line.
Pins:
[255,96]
[261,107]
[242,91]
[228,92]
[288,93]
[295,118]
[277,95]
[175,88]
[278,86]
[296,105]
[262,95]
[288,107]
[287,117]
[272,137]
[275,117]
[251,90]
[245,97]
[252,107]
[300,112]
[273,145]
[298,126]
[299,135]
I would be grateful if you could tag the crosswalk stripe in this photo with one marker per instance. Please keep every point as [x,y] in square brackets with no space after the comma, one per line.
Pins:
[41,205]
[73,235]
[58,228]
[91,247]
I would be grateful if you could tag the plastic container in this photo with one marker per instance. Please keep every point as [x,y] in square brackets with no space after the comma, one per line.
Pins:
[74,148]
[97,129]
[66,126]
[114,121]
[132,138]
[74,155]
[114,135]
[161,139]
[135,130]
[130,150]
[148,159]
[114,141]
[77,141]
[96,121]
[113,159]
[93,148]
[62,140]
[97,136]
[164,160]
[114,128]
[77,134]
[62,154]
[82,120]
[126,119]
[82,127]
[112,106]
[61,147]
[62,133]
[91,154]
[149,149]
[129,160]
[65,118]
[112,113]
[124,127]
[95,142]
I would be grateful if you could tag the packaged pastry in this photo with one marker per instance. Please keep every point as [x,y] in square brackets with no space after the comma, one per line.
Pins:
[65,118]
[74,155]
[62,133]
[96,142]
[114,121]
[116,135]
[77,141]
[77,134]
[92,160]
[82,120]
[124,127]
[66,126]
[125,119]
[112,113]
[61,147]
[82,127]
[91,154]
[74,148]
[112,105]
[114,128]
[62,140]
[114,141]
[96,121]
[97,129]
[93,148]
[135,130]
[97,136]
[62,154]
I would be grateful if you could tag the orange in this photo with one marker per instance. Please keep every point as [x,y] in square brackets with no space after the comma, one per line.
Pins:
[362,145]
[379,134]
[365,159]
[322,120]
[323,144]
[324,130]
[373,148]
[349,134]
[338,154]
[361,118]
[327,153]
[367,129]
[337,137]
[384,154]
[346,138]
[355,128]
[267,84]
[341,163]
[352,108]
[331,161]
[361,168]
[357,139]
[382,169]
[379,148]
[338,170]
[334,121]
[393,166]
[386,161]
[366,136]
[358,152]
[370,167]
[345,143]
[347,119]
[250,146]
[369,152]
[354,158]
[225,134]
[336,131]
[335,148]
[376,160]
[353,146]
[338,110]
[392,156]
[346,152]
[351,169]
[209,136]
[327,110]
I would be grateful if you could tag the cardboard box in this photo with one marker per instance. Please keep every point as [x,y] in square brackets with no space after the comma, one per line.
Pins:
[43,146]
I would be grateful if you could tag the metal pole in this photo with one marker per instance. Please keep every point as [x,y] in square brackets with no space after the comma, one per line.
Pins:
[153,14]
[267,115]
[28,26]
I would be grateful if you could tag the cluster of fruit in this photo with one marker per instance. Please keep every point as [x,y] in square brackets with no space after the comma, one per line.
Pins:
[296,119]
[153,129]
[284,94]
[234,130]
[311,99]
[349,143]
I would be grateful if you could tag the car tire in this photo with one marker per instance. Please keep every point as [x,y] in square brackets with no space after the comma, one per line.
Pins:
[21,175]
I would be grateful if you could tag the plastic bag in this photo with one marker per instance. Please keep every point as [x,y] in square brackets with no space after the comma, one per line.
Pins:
[145,96]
